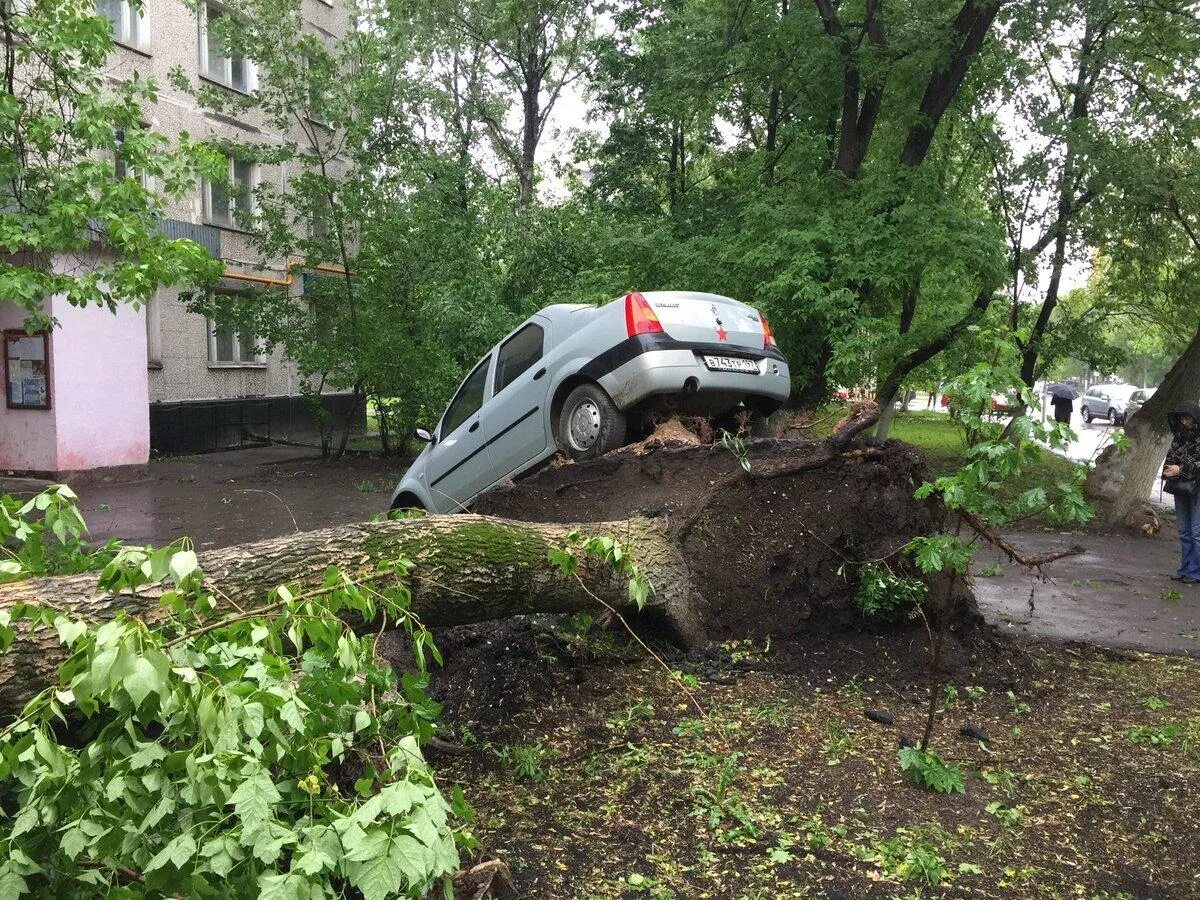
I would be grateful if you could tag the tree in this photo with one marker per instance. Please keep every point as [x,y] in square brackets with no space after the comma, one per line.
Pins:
[1157,275]
[1097,94]
[536,49]
[63,130]
[375,209]
[492,567]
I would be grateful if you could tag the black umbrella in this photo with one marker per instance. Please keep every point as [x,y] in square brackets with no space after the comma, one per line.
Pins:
[1062,390]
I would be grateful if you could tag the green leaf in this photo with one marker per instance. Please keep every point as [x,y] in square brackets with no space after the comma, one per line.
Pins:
[142,680]
[255,798]
[72,844]
[178,852]
[69,632]
[12,884]
[379,866]
[183,564]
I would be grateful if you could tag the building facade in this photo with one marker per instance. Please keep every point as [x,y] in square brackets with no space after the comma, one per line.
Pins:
[163,378]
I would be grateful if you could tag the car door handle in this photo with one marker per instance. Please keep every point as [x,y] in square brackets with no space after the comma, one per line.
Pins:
[474,426]
[538,374]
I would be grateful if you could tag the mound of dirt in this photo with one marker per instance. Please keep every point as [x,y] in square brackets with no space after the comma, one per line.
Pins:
[772,555]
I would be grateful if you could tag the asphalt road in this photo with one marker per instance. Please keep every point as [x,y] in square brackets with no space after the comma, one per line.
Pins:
[1118,593]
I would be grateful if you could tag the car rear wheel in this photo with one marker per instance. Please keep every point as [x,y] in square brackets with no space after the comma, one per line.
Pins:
[590,424]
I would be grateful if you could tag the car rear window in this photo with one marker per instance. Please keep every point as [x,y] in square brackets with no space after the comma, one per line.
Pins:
[467,401]
[517,354]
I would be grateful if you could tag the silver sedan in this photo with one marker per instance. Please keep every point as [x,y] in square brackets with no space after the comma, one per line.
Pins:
[572,377]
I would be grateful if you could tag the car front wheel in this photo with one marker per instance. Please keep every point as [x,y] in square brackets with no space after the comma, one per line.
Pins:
[1113,417]
[590,424]
[1087,415]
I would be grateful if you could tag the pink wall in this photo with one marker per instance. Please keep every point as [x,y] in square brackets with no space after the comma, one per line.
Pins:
[27,439]
[100,387]
[99,394]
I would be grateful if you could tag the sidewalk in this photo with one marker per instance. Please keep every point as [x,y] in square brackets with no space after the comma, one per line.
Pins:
[218,499]
[1117,594]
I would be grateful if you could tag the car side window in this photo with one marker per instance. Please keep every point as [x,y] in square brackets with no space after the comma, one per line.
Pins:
[467,401]
[517,354]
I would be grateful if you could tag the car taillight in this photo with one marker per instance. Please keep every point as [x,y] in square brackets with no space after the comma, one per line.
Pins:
[640,317]
[768,338]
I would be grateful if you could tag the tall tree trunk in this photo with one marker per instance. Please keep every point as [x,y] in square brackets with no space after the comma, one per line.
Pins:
[358,398]
[1067,206]
[887,412]
[1122,481]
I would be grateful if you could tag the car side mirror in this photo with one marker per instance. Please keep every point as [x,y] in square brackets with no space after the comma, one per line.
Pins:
[422,435]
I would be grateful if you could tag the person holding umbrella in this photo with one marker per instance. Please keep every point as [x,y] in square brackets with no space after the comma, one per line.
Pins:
[1062,398]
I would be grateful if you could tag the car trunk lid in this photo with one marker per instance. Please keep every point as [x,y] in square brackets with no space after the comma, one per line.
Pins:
[708,319]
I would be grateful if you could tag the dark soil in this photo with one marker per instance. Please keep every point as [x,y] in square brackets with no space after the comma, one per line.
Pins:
[595,774]
[775,556]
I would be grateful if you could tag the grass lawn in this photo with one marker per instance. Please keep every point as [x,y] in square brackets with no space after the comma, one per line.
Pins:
[939,436]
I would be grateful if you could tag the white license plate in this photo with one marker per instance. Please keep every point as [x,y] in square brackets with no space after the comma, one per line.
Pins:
[730,364]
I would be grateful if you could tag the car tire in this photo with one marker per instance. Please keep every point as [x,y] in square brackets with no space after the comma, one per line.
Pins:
[589,424]
[1087,415]
[1113,417]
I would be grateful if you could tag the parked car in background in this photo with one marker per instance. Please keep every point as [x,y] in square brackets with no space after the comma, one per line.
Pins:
[572,377]
[1137,400]
[1107,401]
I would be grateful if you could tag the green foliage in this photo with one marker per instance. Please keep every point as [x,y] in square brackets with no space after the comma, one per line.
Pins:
[1007,815]
[261,752]
[46,536]
[63,123]
[524,763]
[1186,734]
[722,807]
[882,594]
[998,454]
[928,770]
[907,858]
[609,551]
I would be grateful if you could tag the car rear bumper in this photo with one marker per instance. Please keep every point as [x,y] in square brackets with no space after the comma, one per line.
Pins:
[681,371]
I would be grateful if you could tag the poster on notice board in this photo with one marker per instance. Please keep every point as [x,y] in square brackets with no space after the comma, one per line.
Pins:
[27,370]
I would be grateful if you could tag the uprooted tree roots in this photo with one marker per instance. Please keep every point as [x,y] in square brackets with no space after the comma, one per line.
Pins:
[726,552]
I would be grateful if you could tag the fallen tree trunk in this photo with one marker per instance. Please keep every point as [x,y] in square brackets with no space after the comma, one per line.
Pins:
[774,550]
[467,568]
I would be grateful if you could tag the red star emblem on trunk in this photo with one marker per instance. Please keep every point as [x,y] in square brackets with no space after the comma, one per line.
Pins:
[722,334]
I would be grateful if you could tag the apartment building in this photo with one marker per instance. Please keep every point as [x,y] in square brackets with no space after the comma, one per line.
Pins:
[106,390]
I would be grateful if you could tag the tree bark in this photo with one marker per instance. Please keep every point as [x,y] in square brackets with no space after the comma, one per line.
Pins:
[1121,482]
[466,569]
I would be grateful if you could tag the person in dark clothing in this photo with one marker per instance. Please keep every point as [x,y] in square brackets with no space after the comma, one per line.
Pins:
[1180,473]
[1062,408]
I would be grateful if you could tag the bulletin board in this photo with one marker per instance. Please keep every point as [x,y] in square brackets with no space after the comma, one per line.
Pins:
[26,370]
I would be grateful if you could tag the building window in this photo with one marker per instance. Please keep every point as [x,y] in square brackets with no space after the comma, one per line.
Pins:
[231,203]
[128,21]
[320,220]
[233,71]
[317,72]
[121,167]
[228,347]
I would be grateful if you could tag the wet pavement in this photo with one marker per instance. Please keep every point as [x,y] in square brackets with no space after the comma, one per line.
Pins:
[218,499]
[1117,594]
